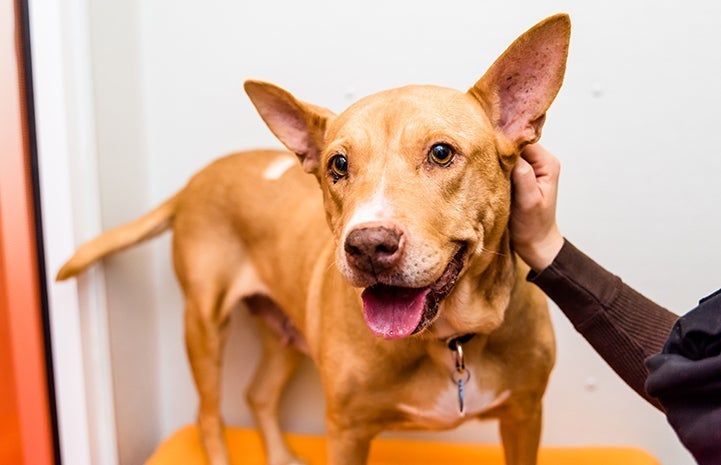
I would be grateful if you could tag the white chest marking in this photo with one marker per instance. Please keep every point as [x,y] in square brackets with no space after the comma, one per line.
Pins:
[278,167]
[444,412]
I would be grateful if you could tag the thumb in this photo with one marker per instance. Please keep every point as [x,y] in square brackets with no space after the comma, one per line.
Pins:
[525,186]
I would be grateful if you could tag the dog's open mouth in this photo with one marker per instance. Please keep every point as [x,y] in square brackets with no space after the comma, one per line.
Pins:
[397,312]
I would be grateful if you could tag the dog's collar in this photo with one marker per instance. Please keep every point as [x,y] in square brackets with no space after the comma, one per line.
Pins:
[460,375]
[452,342]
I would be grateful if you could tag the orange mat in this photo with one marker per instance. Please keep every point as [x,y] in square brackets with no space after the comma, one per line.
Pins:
[244,445]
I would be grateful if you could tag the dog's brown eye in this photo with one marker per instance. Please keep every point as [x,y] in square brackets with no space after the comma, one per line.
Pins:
[338,167]
[441,154]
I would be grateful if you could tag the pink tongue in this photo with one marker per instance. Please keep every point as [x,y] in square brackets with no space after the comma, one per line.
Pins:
[393,312]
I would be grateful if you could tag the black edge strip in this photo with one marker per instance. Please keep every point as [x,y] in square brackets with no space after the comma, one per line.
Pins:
[26,82]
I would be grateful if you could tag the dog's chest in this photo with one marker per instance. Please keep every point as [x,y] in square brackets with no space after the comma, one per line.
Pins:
[448,405]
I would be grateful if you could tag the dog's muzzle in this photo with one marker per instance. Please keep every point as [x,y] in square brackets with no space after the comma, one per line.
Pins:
[395,312]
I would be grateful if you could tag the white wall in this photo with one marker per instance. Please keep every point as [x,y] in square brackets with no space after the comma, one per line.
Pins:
[634,127]
[124,163]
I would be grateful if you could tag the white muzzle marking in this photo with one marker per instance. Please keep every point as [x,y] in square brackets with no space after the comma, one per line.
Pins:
[377,208]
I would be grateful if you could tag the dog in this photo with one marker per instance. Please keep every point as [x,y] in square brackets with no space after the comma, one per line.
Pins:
[390,266]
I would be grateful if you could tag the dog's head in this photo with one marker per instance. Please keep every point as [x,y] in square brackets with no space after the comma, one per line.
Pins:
[416,182]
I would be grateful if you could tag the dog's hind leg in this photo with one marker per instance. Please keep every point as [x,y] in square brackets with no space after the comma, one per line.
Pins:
[206,325]
[277,365]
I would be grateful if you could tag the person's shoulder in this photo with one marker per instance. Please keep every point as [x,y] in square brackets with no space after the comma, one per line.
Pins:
[715,297]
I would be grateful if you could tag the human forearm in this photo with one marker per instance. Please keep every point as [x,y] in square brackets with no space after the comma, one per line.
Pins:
[623,326]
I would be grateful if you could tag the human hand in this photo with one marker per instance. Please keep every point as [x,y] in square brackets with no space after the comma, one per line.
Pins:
[534,231]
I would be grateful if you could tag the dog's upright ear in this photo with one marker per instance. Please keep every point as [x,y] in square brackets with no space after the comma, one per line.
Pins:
[299,126]
[519,87]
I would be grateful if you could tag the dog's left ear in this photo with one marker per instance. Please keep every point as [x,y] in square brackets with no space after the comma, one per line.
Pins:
[519,87]
[299,126]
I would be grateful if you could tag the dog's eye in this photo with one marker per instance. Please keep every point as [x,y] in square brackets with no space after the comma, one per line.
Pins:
[338,167]
[441,154]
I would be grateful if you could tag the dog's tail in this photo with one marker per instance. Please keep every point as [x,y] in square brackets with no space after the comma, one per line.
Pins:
[146,227]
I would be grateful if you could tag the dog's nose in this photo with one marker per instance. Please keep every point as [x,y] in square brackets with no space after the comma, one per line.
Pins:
[374,249]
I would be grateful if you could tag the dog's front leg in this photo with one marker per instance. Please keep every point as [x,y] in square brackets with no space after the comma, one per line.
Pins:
[521,434]
[352,417]
[348,444]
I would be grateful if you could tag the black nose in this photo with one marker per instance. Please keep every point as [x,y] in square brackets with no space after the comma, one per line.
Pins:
[374,249]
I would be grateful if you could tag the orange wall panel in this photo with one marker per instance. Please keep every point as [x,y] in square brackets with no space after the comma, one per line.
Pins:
[10,450]
[25,428]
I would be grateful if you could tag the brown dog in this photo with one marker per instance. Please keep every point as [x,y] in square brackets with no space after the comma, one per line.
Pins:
[412,303]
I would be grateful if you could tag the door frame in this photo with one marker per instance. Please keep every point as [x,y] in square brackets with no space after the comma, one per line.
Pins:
[69,199]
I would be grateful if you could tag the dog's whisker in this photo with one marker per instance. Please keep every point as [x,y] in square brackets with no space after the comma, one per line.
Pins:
[500,254]
[331,265]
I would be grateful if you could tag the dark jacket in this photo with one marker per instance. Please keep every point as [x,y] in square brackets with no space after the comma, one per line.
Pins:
[674,363]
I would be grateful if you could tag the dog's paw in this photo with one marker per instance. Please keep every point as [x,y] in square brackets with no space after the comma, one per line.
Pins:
[286,460]
[294,461]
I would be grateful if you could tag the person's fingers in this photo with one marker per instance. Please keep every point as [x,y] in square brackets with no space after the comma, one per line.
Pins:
[534,231]
[544,162]
[535,153]
[546,166]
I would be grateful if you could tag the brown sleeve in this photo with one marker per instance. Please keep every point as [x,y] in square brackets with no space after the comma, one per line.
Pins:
[623,326]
